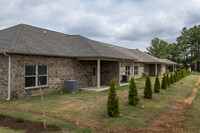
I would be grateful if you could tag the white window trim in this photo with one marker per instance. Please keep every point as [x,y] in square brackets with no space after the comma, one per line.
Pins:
[36,77]
[128,70]
[136,70]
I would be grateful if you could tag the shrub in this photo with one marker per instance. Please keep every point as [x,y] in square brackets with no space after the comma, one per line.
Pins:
[174,75]
[177,77]
[133,93]
[113,101]
[164,82]
[171,79]
[157,85]
[19,120]
[148,88]
[2,116]
[168,80]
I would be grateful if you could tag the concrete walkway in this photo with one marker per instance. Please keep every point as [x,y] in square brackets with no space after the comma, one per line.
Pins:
[102,88]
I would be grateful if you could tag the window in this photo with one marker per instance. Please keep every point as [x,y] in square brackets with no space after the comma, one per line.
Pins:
[127,70]
[135,70]
[35,75]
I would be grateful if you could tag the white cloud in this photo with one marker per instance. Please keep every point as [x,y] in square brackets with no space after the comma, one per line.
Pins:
[128,23]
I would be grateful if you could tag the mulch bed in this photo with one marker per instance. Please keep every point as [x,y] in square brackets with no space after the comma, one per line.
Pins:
[27,126]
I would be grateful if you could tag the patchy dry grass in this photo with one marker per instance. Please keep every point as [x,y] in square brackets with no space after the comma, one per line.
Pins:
[91,106]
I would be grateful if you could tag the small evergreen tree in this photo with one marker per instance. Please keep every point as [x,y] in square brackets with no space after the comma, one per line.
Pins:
[174,75]
[157,85]
[168,80]
[164,82]
[148,88]
[171,79]
[113,101]
[133,93]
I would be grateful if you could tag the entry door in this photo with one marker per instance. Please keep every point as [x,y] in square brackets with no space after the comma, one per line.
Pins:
[94,76]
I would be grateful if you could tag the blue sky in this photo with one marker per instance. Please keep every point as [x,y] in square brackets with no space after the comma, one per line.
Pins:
[127,23]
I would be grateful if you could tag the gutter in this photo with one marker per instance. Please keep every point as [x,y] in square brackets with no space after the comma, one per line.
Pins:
[9,73]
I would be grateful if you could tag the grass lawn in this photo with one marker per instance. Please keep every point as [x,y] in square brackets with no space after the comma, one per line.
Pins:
[90,106]
[192,123]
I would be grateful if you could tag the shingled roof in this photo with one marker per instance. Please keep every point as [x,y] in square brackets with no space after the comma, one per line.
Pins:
[169,62]
[146,58]
[27,39]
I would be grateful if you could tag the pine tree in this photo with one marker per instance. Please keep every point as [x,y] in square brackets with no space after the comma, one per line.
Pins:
[148,88]
[164,82]
[171,79]
[157,85]
[113,101]
[133,93]
[168,80]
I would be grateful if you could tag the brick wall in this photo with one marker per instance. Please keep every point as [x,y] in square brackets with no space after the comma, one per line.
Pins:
[109,70]
[59,70]
[140,68]
[3,77]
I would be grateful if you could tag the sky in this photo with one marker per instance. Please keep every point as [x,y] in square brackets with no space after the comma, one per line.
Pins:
[127,23]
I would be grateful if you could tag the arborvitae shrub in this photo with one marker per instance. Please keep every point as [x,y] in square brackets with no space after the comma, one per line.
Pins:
[168,80]
[188,72]
[133,93]
[171,78]
[113,101]
[157,85]
[164,82]
[148,88]
[175,79]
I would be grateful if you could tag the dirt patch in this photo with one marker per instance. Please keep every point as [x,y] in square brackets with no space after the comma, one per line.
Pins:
[77,122]
[27,126]
[170,121]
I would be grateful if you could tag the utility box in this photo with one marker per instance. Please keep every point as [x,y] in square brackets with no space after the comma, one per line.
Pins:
[144,75]
[125,78]
[71,86]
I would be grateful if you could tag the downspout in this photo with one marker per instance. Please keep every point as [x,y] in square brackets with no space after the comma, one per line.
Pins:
[9,73]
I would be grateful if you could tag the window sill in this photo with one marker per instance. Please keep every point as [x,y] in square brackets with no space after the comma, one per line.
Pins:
[36,87]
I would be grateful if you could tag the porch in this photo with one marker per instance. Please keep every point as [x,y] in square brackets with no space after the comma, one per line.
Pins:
[99,73]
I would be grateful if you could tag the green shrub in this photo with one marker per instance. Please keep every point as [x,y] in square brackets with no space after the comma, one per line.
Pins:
[171,79]
[157,85]
[113,101]
[148,88]
[164,82]
[133,93]
[19,120]
[2,116]
[168,80]
[175,79]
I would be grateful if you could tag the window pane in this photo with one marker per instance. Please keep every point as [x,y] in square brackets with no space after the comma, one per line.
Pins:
[42,70]
[136,68]
[30,70]
[30,81]
[42,80]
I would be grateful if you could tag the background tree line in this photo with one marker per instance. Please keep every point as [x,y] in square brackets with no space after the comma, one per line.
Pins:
[185,52]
